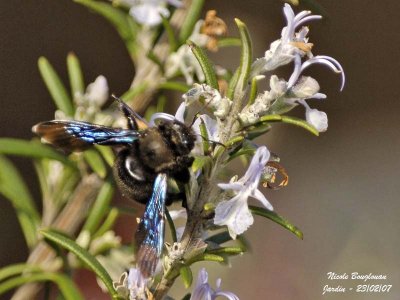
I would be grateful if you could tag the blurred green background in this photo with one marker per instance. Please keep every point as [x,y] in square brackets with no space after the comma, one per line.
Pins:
[343,189]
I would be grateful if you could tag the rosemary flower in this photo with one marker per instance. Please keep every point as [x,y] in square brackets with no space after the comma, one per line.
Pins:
[235,213]
[203,291]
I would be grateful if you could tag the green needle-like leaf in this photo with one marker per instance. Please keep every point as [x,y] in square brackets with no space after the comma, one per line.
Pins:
[253,90]
[206,65]
[16,269]
[229,42]
[75,75]
[55,86]
[119,19]
[187,276]
[245,60]
[204,135]
[100,207]
[173,43]
[67,287]
[187,297]
[200,162]
[207,257]
[277,219]
[133,92]
[13,187]
[258,130]
[108,222]
[107,154]
[33,149]
[191,19]
[232,84]
[93,158]
[227,251]
[155,59]
[171,226]
[84,256]
[174,86]
[219,238]
[290,120]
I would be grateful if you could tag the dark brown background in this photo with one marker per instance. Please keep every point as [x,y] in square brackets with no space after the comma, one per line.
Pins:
[344,185]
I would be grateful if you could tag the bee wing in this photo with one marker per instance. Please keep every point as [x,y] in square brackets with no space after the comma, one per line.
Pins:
[78,136]
[150,233]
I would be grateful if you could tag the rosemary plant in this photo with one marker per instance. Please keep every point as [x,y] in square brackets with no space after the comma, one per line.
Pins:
[168,43]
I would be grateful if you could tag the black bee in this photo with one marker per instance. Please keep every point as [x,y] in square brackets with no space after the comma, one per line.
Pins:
[144,161]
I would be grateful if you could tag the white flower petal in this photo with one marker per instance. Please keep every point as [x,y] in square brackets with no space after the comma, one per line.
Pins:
[164,116]
[176,214]
[228,295]
[260,197]
[330,62]
[203,290]
[148,14]
[231,186]
[97,91]
[175,3]
[180,112]
[257,164]
[234,214]
[317,118]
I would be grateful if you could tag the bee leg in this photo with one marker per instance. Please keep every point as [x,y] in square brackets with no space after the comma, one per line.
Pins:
[183,176]
[173,197]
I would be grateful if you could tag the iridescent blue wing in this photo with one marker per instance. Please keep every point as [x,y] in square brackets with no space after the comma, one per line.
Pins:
[78,136]
[150,233]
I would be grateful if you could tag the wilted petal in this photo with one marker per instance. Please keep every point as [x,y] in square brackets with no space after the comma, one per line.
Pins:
[306,87]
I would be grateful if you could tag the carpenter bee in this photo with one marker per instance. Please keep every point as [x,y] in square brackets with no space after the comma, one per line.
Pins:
[145,159]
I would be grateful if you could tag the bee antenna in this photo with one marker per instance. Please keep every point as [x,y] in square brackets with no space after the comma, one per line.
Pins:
[211,141]
[119,100]
[196,115]
[129,113]
[194,119]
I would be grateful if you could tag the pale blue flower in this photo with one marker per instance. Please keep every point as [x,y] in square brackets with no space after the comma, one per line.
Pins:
[132,286]
[203,291]
[291,43]
[212,129]
[150,12]
[179,115]
[137,285]
[234,213]
[328,61]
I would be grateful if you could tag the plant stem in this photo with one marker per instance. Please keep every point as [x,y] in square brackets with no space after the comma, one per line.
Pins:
[67,221]
[206,192]
[149,73]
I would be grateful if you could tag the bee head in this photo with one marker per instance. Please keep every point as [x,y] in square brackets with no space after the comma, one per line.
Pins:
[180,137]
